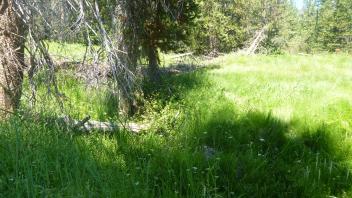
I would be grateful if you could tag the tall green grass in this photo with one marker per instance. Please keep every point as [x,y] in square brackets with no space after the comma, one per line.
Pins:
[259,126]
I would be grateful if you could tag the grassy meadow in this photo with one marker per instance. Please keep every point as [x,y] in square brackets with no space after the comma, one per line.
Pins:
[241,126]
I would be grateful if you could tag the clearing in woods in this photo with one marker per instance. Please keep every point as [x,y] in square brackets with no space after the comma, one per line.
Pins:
[244,126]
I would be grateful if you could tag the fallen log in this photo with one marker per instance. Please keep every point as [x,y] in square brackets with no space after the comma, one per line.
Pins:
[87,126]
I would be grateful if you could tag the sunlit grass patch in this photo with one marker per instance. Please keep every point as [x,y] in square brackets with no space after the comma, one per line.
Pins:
[72,51]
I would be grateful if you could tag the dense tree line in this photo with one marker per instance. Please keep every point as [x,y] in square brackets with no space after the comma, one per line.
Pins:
[327,24]
[226,25]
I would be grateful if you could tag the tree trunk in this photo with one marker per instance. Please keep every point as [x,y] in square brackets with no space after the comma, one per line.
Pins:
[127,100]
[11,58]
[129,45]
[153,67]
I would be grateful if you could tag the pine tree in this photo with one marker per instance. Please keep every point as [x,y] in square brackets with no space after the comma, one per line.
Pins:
[159,25]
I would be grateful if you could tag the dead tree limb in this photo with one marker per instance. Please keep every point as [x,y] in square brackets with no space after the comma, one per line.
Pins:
[88,126]
[257,39]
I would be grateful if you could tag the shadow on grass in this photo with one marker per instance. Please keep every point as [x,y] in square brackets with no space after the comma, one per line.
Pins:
[257,155]
[232,155]
[225,154]
[240,155]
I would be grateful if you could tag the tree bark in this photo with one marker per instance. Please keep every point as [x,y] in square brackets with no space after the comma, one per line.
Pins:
[129,45]
[153,67]
[11,58]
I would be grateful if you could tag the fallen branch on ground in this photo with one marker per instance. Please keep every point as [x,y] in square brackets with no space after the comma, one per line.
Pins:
[87,126]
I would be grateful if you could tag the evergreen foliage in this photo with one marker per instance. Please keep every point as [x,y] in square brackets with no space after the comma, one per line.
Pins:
[226,25]
[334,24]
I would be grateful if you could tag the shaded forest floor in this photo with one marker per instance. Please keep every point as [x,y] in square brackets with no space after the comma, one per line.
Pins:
[258,126]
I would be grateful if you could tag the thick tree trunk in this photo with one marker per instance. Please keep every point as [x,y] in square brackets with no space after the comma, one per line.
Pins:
[11,58]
